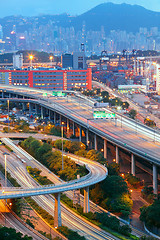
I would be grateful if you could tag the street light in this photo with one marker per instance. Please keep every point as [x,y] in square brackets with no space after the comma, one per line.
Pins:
[62,124]
[5,183]
[5,160]
[31,58]
[8,114]
[51,59]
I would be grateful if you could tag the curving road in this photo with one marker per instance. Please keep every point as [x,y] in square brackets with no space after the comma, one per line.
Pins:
[69,218]
[132,136]
[97,174]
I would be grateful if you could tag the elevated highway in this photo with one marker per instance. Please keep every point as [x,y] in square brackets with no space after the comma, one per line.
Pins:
[97,173]
[77,112]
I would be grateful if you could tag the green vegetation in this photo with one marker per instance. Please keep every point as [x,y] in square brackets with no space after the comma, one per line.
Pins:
[35,173]
[149,122]
[113,169]
[70,146]
[10,233]
[113,195]
[79,149]
[30,223]
[18,205]
[49,218]
[49,129]
[71,235]
[6,130]
[104,97]
[12,180]
[56,131]
[118,102]
[53,160]
[132,113]
[147,194]
[49,236]
[43,213]
[8,148]
[22,126]
[150,215]
[97,219]
[132,180]
[113,223]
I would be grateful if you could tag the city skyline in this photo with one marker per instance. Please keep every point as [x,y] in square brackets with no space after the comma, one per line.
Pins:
[33,8]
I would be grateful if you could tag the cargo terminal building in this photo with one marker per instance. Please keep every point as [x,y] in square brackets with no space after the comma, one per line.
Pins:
[49,79]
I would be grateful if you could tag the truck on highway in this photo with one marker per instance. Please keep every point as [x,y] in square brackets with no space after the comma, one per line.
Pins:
[100,104]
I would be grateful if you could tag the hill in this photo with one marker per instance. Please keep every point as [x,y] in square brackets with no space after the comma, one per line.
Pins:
[111,16]
[117,16]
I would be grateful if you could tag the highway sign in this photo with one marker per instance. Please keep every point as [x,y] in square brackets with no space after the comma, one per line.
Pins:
[103,114]
[99,114]
[58,93]
[110,115]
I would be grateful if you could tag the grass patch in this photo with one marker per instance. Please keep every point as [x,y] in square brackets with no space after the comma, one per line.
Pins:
[43,213]
[35,173]
[9,177]
[8,148]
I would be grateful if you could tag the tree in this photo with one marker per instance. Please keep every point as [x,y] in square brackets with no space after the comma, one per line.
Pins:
[10,233]
[45,148]
[97,194]
[34,145]
[30,223]
[95,156]
[150,215]
[56,131]
[58,144]
[132,113]
[114,186]
[113,169]
[125,105]
[149,122]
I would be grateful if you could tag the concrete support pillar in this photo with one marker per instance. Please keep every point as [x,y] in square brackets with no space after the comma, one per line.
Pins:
[95,142]
[54,117]
[87,137]
[80,134]
[73,128]
[23,106]
[49,111]
[60,119]
[10,95]
[36,108]
[155,179]
[67,125]
[105,148]
[117,154]
[133,165]
[2,94]
[30,108]
[57,211]
[42,116]
[86,200]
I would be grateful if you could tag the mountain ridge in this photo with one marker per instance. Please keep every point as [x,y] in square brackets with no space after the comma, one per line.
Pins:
[119,16]
[124,17]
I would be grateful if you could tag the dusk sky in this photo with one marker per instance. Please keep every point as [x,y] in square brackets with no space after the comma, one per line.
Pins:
[73,7]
